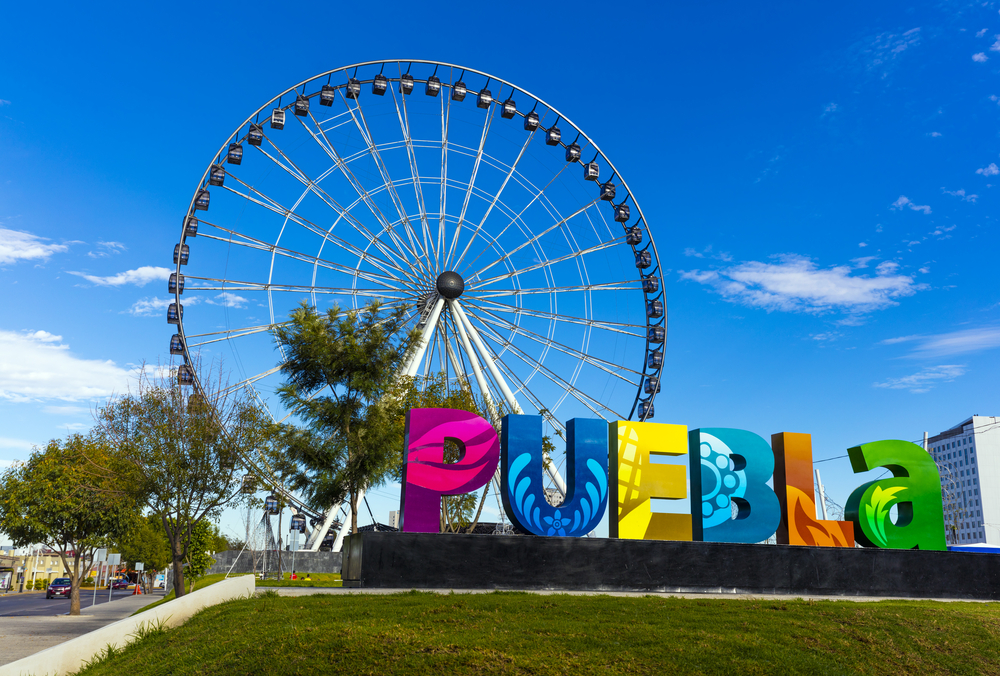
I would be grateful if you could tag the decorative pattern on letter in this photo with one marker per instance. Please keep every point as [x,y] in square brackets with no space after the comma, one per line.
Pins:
[914,490]
[793,482]
[586,480]
[426,476]
[639,480]
[732,468]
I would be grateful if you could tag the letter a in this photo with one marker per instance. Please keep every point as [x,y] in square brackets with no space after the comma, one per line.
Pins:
[914,490]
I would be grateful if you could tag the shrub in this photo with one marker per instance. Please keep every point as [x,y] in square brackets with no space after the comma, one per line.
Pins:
[41,583]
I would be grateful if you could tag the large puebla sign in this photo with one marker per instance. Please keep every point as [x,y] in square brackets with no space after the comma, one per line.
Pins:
[611,462]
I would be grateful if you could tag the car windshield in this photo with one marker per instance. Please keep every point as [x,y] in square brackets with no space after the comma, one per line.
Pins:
[61,580]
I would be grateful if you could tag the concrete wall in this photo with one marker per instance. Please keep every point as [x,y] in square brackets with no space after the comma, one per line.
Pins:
[436,561]
[253,562]
[69,657]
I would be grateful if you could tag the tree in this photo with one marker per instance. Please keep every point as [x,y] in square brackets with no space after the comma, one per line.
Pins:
[148,545]
[51,500]
[342,379]
[181,451]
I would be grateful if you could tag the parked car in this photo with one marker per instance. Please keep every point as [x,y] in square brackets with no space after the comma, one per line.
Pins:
[59,587]
[120,583]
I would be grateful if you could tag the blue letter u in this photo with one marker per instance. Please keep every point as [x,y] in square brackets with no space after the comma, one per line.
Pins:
[521,461]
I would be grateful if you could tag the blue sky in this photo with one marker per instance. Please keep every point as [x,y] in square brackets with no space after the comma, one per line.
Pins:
[820,184]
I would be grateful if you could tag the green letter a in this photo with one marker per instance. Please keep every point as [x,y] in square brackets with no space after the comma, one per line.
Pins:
[915,491]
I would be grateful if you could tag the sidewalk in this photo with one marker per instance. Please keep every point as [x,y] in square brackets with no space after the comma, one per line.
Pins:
[23,636]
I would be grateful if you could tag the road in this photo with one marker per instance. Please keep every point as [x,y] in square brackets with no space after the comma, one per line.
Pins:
[36,605]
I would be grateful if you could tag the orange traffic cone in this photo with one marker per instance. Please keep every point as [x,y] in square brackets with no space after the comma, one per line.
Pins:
[138,590]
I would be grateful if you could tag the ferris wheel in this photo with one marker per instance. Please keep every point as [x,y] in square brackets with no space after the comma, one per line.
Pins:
[515,244]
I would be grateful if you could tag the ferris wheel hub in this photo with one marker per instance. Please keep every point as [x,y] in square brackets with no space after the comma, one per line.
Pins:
[450,285]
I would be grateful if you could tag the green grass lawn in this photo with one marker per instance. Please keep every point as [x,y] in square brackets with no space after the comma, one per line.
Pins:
[517,633]
[318,580]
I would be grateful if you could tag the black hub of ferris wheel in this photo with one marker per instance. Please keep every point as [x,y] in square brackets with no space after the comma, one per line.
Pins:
[450,285]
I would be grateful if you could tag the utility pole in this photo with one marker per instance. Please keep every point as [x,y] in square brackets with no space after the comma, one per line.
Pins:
[822,495]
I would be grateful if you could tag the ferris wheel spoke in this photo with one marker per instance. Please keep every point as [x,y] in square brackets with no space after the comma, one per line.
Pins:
[404,126]
[585,399]
[493,203]
[260,245]
[251,380]
[472,181]
[517,218]
[363,194]
[230,333]
[603,364]
[543,264]
[605,286]
[532,240]
[423,260]
[342,213]
[617,327]
[234,285]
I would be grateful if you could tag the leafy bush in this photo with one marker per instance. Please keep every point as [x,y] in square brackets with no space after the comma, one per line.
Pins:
[41,583]
[87,582]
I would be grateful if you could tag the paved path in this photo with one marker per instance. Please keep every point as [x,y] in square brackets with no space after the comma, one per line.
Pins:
[307,591]
[21,636]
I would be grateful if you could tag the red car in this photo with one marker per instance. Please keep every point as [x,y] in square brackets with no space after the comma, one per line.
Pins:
[59,587]
[120,583]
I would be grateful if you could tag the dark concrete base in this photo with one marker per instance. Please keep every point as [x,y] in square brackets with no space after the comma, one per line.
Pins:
[255,562]
[433,561]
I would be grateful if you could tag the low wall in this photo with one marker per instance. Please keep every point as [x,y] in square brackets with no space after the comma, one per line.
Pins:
[436,561]
[253,562]
[70,657]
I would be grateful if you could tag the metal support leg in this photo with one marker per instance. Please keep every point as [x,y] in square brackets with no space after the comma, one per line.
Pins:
[316,538]
[425,339]
[474,361]
[464,322]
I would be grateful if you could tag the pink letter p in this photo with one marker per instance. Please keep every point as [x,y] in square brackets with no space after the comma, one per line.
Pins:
[426,476]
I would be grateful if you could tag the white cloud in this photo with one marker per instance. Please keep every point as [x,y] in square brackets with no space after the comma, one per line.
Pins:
[995,47]
[980,57]
[17,444]
[16,245]
[66,410]
[35,367]
[948,344]
[981,33]
[797,284]
[991,170]
[862,244]
[881,51]
[228,299]
[935,134]
[962,194]
[925,379]
[831,108]
[905,201]
[140,277]
[107,248]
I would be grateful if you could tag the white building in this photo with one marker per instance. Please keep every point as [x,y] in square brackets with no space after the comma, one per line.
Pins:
[968,458]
